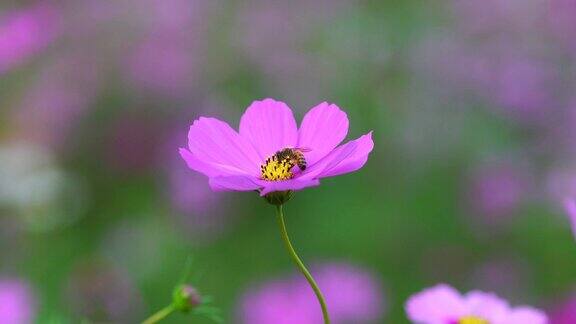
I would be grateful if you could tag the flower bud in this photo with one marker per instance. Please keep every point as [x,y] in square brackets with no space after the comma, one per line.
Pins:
[186,298]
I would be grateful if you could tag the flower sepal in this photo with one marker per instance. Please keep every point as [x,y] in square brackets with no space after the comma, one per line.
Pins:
[278,198]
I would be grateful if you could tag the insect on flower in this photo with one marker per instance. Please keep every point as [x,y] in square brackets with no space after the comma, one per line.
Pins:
[280,165]
[270,153]
[294,156]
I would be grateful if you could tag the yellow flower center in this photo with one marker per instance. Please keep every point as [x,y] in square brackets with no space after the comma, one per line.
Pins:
[275,169]
[472,320]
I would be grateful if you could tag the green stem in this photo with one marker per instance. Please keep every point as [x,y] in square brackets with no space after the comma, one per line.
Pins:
[160,315]
[301,265]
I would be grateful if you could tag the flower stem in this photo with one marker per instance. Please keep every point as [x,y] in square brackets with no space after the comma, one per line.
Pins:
[301,265]
[160,315]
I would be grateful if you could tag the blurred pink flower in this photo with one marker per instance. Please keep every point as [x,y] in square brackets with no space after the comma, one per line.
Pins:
[167,59]
[134,142]
[353,295]
[442,304]
[507,275]
[523,84]
[101,292]
[24,32]
[570,206]
[517,83]
[57,100]
[496,191]
[189,192]
[201,213]
[164,65]
[17,303]
[250,160]
[564,313]
[501,53]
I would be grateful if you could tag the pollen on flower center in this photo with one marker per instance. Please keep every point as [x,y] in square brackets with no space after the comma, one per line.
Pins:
[275,169]
[472,320]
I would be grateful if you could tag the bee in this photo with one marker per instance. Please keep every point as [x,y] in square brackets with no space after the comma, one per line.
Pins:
[294,155]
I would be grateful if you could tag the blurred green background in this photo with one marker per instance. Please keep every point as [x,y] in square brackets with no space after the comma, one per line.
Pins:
[471,102]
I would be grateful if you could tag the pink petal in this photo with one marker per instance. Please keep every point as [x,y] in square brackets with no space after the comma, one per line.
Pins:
[214,143]
[570,206]
[526,315]
[270,126]
[440,304]
[487,305]
[344,159]
[230,183]
[322,129]
[208,169]
[355,160]
[335,157]
[293,184]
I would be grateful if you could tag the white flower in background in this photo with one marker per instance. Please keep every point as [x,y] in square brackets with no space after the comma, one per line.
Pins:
[36,190]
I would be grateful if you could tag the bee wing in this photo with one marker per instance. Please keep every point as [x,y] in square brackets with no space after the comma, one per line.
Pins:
[303,149]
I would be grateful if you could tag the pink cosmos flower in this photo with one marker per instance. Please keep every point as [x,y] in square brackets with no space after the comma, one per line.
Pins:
[442,304]
[570,206]
[255,157]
